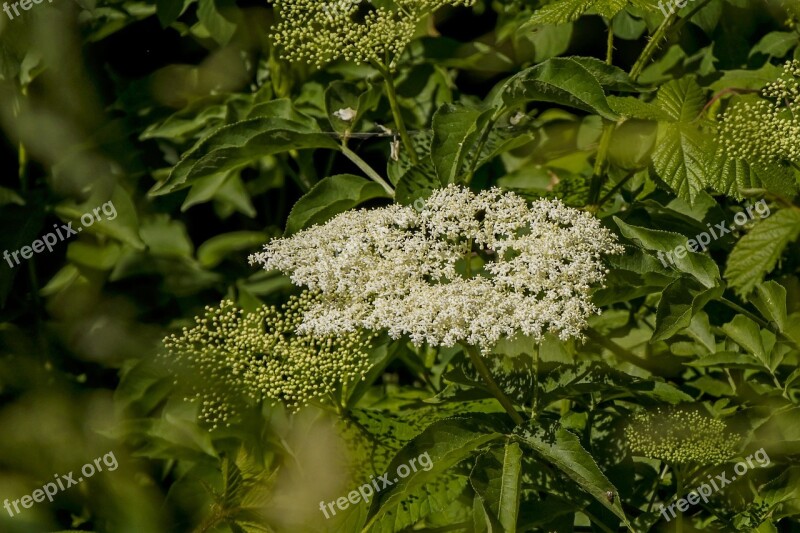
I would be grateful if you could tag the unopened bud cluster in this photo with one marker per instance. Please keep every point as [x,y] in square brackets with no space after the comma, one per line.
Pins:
[236,356]
[320,31]
[680,436]
[765,130]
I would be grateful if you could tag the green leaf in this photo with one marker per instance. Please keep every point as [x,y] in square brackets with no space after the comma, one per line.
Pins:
[775,44]
[28,223]
[680,301]
[609,77]
[97,256]
[575,381]
[220,28]
[341,96]
[214,250]
[747,79]
[118,217]
[432,498]
[562,81]
[702,267]
[330,197]
[548,40]
[417,183]
[727,360]
[168,11]
[231,195]
[631,145]
[455,130]
[9,196]
[236,145]
[559,12]
[682,100]
[508,503]
[496,479]
[683,153]
[562,11]
[747,334]
[700,330]
[282,108]
[61,280]
[631,107]
[379,357]
[681,158]
[770,300]
[482,521]
[733,177]
[757,253]
[204,189]
[166,237]
[447,442]
[562,449]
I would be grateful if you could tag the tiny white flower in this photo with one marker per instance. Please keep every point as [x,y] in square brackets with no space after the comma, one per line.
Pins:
[347,114]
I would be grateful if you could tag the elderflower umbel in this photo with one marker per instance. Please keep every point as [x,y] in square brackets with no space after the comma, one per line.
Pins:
[761,130]
[405,271]
[680,436]
[319,31]
[259,355]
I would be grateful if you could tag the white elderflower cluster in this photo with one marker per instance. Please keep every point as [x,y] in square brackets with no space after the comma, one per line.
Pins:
[260,355]
[466,268]
[761,130]
[319,31]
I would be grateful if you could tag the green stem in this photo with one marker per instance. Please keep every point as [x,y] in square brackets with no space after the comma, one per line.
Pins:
[598,179]
[391,94]
[481,143]
[652,46]
[468,261]
[655,488]
[731,382]
[614,190]
[22,173]
[623,353]
[610,45]
[535,407]
[368,170]
[679,494]
[689,16]
[596,521]
[483,370]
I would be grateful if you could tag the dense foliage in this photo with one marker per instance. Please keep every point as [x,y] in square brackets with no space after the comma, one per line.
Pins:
[550,246]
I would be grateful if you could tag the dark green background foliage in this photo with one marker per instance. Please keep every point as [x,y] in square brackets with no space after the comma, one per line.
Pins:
[184,114]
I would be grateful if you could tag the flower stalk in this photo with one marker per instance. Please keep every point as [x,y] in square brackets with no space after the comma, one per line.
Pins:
[391,95]
[477,361]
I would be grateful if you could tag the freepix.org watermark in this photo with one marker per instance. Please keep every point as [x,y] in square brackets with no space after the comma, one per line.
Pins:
[62,482]
[61,234]
[702,240]
[704,490]
[24,4]
[364,492]
[671,5]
